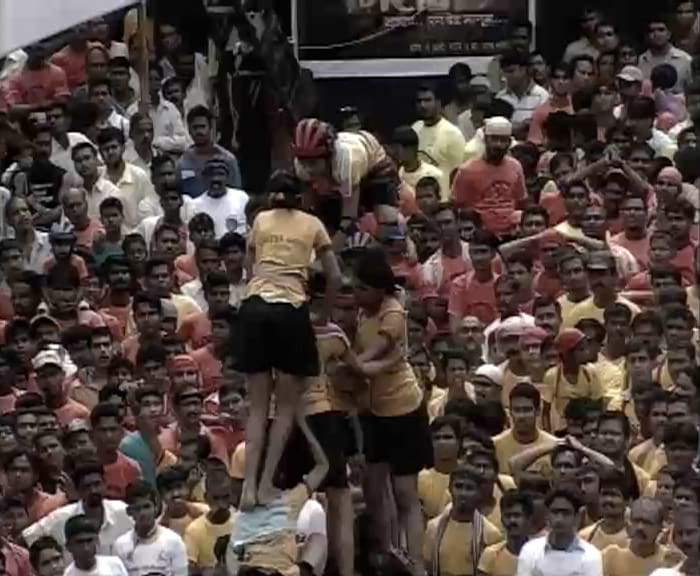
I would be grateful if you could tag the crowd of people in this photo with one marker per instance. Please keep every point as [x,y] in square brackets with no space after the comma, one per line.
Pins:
[469,348]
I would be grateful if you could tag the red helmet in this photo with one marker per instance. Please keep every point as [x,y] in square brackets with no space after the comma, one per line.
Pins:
[313,139]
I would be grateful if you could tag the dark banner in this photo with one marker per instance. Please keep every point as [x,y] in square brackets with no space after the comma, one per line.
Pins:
[361,29]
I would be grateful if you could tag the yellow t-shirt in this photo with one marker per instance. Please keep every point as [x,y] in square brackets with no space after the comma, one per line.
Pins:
[588,310]
[395,392]
[612,380]
[507,446]
[236,468]
[200,538]
[179,525]
[497,560]
[425,169]
[643,480]
[356,154]
[601,540]
[648,456]
[618,561]
[433,492]
[331,343]
[455,552]
[284,242]
[566,305]
[557,390]
[275,550]
[441,144]
[494,515]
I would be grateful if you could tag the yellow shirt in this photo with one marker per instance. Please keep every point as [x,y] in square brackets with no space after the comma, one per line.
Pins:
[426,169]
[441,144]
[433,492]
[284,242]
[694,302]
[507,446]
[275,551]
[648,456]
[618,561]
[494,515]
[587,309]
[569,231]
[612,380]
[566,305]
[557,390]
[200,539]
[601,540]
[497,560]
[455,551]
[331,343]
[179,525]
[643,480]
[395,392]
[236,468]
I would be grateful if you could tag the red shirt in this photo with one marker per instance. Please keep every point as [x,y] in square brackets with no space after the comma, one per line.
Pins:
[71,410]
[76,261]
[469,297]
[41,504]
[186,263]
[7,311]
[493,191]
[209,367]
[119,474]
[16,560]
[73,64]
[170,440]
[195,330]
[37,87]
[684,262]
[86,236]
[638,248]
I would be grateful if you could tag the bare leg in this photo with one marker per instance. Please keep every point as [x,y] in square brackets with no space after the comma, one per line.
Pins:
[375,488]
[287,394]
[409,514]
[259,391]
[341,535]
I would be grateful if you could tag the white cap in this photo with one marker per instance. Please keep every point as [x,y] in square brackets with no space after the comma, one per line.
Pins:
[490,372]
[46,358]
[498,126]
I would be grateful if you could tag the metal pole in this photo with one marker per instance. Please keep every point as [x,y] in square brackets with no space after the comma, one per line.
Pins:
[144,77]
[295,28]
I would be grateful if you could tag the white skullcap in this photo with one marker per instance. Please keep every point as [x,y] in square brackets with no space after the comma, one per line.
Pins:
[498,126]
[514,326]
[490,372]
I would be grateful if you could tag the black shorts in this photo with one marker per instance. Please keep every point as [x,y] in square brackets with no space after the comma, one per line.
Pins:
[334,433]
[403,442]
[276,336]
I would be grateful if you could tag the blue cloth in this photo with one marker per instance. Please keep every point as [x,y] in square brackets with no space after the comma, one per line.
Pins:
[190,169]
[134,446]
[262,521]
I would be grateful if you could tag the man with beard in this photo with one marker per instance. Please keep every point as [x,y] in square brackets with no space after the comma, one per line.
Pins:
[109,515]
[495,185]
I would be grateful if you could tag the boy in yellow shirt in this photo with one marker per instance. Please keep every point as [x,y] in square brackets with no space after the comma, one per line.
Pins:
[612,502]
[501,559]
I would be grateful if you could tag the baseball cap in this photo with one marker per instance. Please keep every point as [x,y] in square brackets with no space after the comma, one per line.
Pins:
[631,74]
[568,340]
[513,327]
[479,81]
[47,358]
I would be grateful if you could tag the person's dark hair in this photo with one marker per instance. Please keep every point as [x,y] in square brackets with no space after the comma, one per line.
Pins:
[202,445]
[79,524]
[103,410]
[86,468]
[146,298]
[161,228]
[171,477]
[499,107]
[118,363]
[449,421]
[514,58]
[374,270]
[16,453]
[140,489]
[110,134]
[147,392]
[151,352]
[215,279]
[431,87]
[528,391]
[485,238]
[546,302]
[38,546]
[520,22]
[112,202]
[680,433]
[535,210]
[648,317]
[285,183]
[678,311]
[130,239]
[97,83]
[616,416]
[74,335]
[580,58]
[109,391]
[159,160]
[199,112]
[512,498]
[615,480]
[464,408]
[405,136]
[680,206]
[200,222]
[565,493]
[617,310]
[664,77]
[641,108]
[232,240]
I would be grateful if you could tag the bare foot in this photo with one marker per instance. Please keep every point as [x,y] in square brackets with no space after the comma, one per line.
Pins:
[249,498]
[267,494]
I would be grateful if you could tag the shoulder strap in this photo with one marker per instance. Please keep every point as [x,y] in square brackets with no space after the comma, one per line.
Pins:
[444,518]
[477,540]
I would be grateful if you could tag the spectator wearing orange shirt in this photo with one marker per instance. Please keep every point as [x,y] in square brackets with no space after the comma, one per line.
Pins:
[22,473]
[678,216]
[210,358]
[107,433]
[71,58]
[63,247]
[75,210]
[119,279]
[634,235]
[64,297]
[50,379]
[38,82]
[148,317]
[473,293]
[495,185]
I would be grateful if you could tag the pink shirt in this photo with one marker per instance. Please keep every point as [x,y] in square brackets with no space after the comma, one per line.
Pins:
[37,87]
[73,64]
[540,115]
[469,297]
[495,191]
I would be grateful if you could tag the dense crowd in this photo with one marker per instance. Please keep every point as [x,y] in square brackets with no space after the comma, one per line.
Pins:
[469,348]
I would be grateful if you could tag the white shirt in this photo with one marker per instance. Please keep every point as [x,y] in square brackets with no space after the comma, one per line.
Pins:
[164,552]
[132,156]
[677,58]
[169,133]
[228,211]
[134,186]
[524,106]
[41,250]
[662,144]
[104,566]
[116,522]
[312,521]
[116,120]
[102,189]
[538,558]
